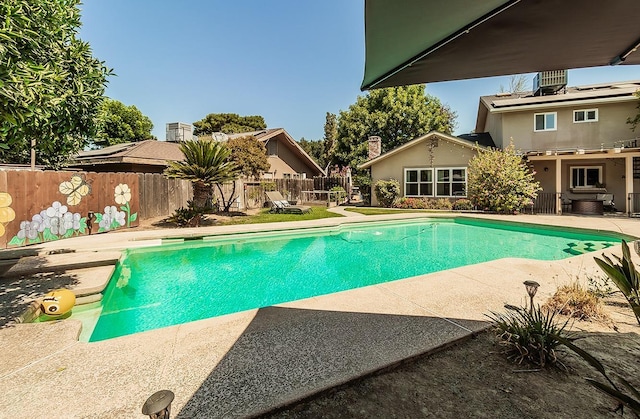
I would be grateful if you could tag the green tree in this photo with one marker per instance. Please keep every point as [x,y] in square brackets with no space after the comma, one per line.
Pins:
[315,149]
[500,181]
[229,123]
[387,191]
[636,120]
[330,137]
[249,155]
[50,84]
[118,123]
[206,164]
[397,115]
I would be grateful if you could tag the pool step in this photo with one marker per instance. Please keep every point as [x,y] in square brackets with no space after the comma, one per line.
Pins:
[59,262]
[86,283]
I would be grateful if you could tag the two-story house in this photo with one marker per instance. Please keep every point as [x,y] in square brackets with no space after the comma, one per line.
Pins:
[575,138]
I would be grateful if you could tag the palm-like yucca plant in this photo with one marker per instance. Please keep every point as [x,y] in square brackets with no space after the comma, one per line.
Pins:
[205,164]
[529,335]
[625,276]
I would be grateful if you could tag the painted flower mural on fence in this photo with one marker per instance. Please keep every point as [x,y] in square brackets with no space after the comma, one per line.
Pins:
[7,214]
[122,197]
[75,189]
[58,221]
[53,223]
[114,217]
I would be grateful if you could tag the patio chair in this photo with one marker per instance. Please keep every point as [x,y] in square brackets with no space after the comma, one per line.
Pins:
[281,205]
[607,201]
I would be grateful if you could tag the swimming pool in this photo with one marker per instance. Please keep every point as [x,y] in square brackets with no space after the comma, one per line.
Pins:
[191,280]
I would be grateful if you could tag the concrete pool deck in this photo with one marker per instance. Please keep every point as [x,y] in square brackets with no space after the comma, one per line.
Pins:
[251,362]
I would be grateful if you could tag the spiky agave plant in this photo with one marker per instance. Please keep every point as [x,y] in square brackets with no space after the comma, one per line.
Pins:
[625,275]
[529,335]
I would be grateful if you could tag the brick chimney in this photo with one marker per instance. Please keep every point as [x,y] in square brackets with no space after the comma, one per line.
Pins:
[375,147]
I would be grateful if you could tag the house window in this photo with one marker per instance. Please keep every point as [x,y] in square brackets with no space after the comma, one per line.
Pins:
[451,181]
[286,175]
[272,148]
[586,176]
[585,115]
[418,182]
[545,121]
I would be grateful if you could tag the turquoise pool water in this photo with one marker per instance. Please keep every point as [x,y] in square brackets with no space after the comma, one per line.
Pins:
[181,282]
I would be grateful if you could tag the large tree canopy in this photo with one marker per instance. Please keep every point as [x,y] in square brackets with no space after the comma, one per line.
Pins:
[397,115]
[118,123]
[249,155]
[315,149]
[50,84]
[229,123]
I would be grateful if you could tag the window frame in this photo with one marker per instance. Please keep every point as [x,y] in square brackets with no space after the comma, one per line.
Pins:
[451,182]
[586,112]
[434,181]
[586,186]
[418,182]
[555,121]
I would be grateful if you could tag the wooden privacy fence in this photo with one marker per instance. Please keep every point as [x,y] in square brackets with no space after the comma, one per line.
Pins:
[39,206]
[160,196]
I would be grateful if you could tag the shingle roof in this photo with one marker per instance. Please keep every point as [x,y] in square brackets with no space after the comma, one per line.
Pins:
[152,150]
[482,138]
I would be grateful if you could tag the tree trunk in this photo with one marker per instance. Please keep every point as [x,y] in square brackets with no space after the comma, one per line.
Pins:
[226,204]
[202,194]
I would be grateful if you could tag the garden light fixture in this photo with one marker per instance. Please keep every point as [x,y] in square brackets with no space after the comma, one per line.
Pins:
[158,405]
[532,288]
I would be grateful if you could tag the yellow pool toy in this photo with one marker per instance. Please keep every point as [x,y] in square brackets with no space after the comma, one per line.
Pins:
[58,302]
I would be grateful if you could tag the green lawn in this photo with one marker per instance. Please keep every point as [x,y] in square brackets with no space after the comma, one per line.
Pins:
[266,217]
[381,211]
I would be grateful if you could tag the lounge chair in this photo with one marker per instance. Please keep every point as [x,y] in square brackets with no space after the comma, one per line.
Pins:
[281,205]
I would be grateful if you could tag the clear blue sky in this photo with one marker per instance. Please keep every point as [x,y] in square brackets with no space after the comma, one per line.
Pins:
[290,61]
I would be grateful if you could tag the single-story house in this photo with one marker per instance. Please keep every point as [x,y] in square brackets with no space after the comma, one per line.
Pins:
[431,166]
[286,158]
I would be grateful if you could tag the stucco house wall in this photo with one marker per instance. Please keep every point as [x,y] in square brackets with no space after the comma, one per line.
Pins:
[446,154]
[611,126]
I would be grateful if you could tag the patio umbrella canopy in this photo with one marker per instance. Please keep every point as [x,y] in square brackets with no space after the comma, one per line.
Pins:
[420,41]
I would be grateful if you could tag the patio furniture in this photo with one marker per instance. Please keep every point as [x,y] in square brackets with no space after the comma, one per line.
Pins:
[281,205]
[607,201]
[587,206]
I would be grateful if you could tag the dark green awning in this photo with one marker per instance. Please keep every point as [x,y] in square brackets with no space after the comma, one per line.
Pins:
[420,41]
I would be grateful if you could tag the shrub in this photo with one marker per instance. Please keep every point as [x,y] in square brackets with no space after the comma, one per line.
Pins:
[529,336]
[410,203]
[625,276]
[462,205]
[341,195]
[500,181]
[575,301]
[187,217]
[387,191]
[443,204]
[600,286]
